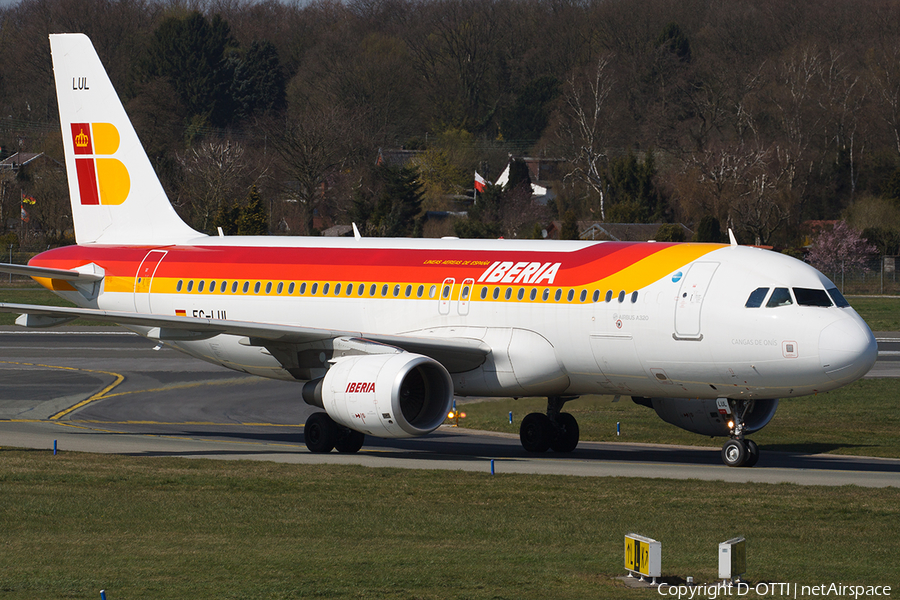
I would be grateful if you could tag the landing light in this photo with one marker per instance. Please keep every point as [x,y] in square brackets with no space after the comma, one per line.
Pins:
[730,424]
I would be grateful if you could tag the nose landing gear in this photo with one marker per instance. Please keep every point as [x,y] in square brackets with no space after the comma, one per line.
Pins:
[737,451]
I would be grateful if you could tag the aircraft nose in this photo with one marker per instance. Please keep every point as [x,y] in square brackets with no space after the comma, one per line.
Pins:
[847,350]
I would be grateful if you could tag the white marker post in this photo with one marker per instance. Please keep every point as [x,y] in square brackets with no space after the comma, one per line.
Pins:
[732,558]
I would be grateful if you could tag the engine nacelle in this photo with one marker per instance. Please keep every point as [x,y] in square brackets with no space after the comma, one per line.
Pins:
[702,416]
[385,395]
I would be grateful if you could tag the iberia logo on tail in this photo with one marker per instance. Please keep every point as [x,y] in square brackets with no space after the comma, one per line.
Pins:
[101,179]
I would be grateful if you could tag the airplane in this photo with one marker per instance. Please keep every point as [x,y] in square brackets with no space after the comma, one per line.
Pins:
[382,333]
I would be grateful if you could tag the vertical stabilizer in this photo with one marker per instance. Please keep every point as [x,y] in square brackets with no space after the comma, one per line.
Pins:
[116,196]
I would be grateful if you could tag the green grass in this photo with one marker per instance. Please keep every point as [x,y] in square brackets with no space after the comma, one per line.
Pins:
[176,528]
[859,419]
[882,314]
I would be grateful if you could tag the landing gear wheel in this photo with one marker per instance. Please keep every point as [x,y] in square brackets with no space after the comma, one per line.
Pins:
[735,453]
[536,432]
[320,433]
[566,433]
[349,441]
[752,453]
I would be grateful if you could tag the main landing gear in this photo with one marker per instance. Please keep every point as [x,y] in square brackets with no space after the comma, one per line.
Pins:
[322,435]
[738,451]
[557,430]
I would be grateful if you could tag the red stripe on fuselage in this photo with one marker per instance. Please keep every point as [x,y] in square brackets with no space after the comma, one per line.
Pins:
[358,264]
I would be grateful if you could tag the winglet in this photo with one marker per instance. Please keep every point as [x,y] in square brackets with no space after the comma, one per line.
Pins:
[731,237]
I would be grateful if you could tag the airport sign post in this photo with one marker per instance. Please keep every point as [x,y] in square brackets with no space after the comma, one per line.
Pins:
[643,556]
[732,558]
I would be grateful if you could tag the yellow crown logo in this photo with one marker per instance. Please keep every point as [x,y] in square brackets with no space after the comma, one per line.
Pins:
[81,140]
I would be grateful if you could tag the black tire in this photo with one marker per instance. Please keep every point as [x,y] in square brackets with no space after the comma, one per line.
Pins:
[566,433]
[349,441]
[320,433]
[536,432]
[752,453]
[734,453]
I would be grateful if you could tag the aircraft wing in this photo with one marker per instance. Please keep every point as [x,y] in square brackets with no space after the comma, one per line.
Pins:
[456,354]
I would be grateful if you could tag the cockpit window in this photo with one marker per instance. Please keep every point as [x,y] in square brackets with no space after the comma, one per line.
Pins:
[808,297]
[838,298]
[756,297]
[780,297]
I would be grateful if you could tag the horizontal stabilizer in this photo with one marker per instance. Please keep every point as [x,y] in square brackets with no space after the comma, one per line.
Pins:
[63,274]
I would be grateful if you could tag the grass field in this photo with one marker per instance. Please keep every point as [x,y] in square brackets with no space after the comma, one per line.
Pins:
[859,419]
[176,528]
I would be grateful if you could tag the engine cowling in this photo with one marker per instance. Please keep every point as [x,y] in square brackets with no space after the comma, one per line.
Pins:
[702,416]
[385,395]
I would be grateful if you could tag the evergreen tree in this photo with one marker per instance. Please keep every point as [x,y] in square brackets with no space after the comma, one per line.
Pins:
[259,81]
[708,230]
[569,229]
[192,54]
[518,174]
[485,216]
[398,204]
[669,232]
[253,219]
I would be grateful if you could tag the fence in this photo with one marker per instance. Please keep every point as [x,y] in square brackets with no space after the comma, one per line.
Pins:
[878,278]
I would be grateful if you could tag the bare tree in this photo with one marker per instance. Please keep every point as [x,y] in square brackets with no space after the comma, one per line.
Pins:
[586,125]
[215,173]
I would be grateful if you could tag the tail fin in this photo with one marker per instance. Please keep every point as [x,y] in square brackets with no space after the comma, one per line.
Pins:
[116,196]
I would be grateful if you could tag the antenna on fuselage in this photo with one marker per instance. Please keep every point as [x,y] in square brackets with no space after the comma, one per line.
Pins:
[731,237]
[356,232]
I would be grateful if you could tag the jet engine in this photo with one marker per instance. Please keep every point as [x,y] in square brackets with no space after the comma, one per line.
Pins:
[702,416]
[385,395]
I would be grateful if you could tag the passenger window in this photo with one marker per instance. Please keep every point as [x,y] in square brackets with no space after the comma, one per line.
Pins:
[360,289]
[609,295]
[596,295]
[780,297]
[325,289]
[384,289]
[533,294]
[545,295]
[223,287]
[583,296]
[190,285]
[234,287]
[337,289]
[291,288]
[269,288]
[179,286]
[838,298]
[465,292]
[372,289]
[484,292]
[570,295]
[496,293]
[212,286]
[558,295]
[446,293]
[508,293]
[246,286]
[432,291]
[420,291]
[810,297]
[280,287]
[200,286]
[756,297]
[302,288]
[349,288]
[634,297]
[314,288]
[408,291]
[256,288]
[622,296]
